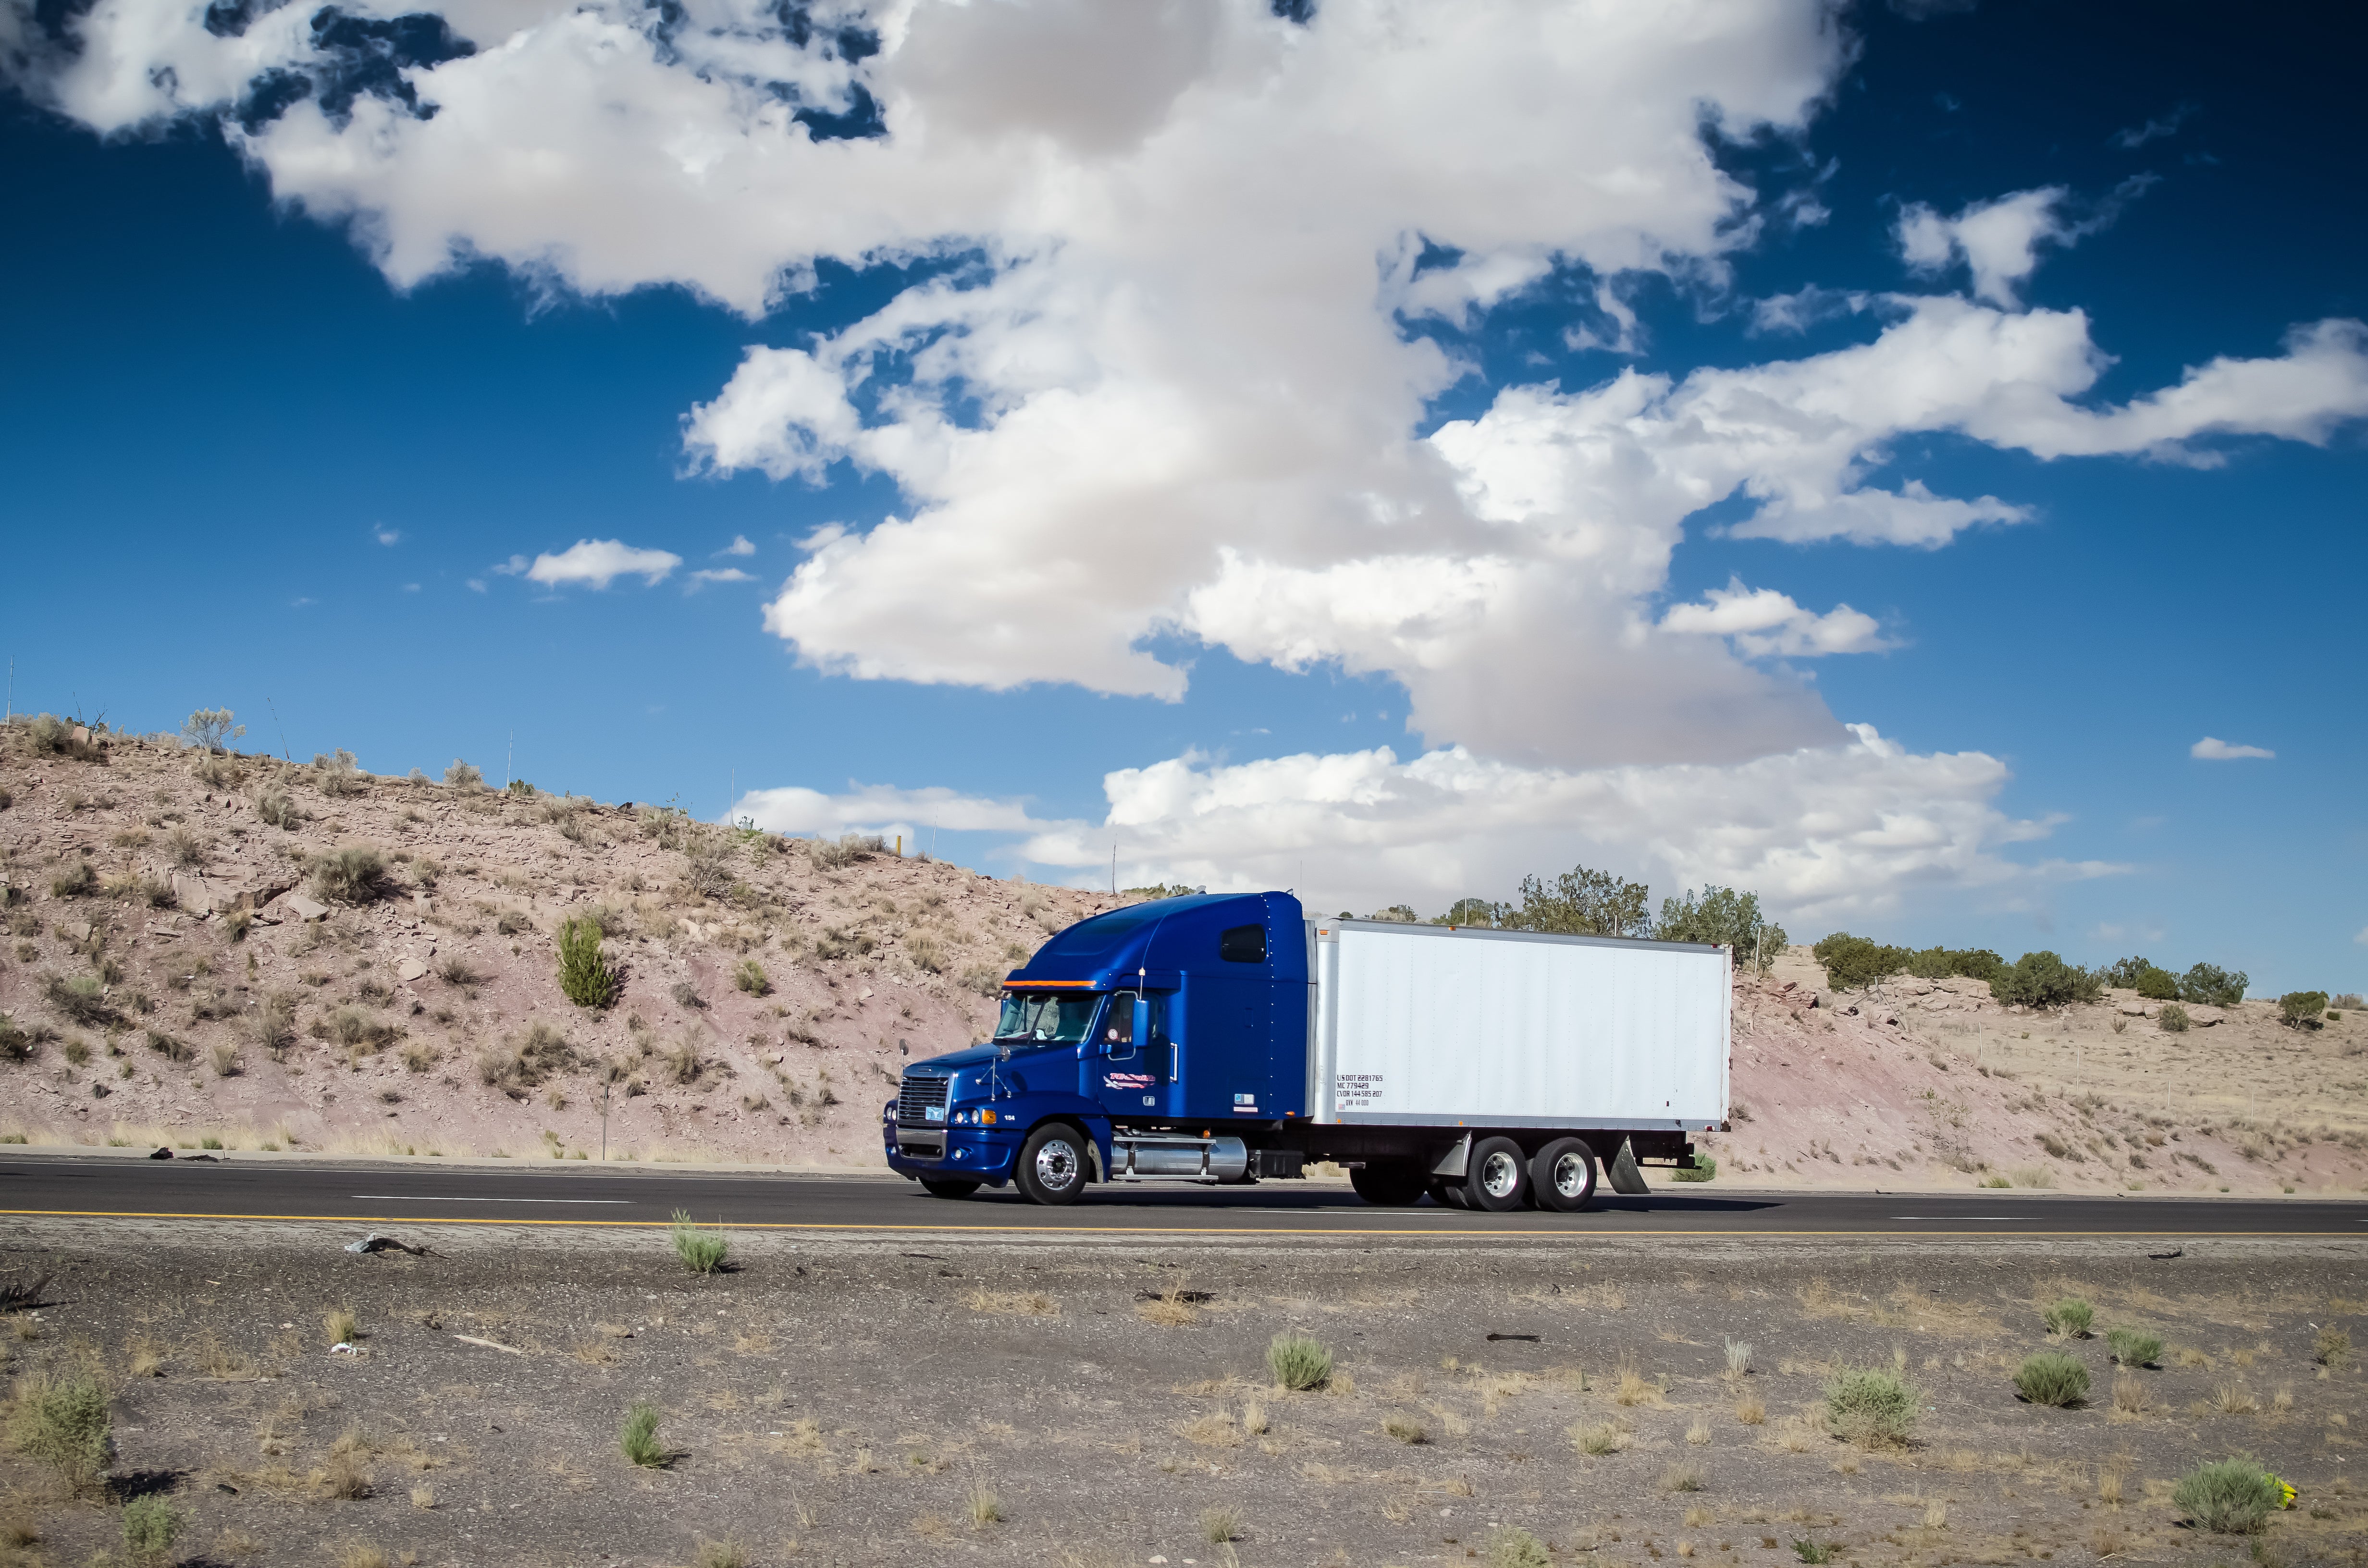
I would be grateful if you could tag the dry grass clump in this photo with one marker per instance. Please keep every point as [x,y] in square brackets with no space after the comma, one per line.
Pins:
[1600,1438]
[1751,1409]
[1299,1361]
[1406,1429]
[63,1421]
[984,1508]
[340,1326]
[2235,1399]
[1681,1477]
[1220,1524]
[1631,1387]
[2051,1378]
[2129,1399]
[1013,1303]
[1172,1308]
[718,1554]
[1870,1408]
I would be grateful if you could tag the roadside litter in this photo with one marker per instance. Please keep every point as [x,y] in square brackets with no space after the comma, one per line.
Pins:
[376,1242]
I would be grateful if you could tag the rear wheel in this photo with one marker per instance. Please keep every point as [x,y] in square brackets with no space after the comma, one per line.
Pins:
[1052,1165]
[1497,1177]
[1562,1176]
[1392,1184]
[948,1188]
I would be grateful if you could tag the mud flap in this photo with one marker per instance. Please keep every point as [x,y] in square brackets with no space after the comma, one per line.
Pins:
[1626,1180]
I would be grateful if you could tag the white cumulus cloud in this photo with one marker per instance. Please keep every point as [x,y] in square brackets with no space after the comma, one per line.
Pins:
[599,562]
[1825,832]
[878,809]
[739,546]
[1762,621]
[2210,749]
[717,574]
[1998,241]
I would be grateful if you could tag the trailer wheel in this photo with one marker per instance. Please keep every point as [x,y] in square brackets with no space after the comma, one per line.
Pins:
[1498,1176]
[949,1188]
[1562,1176]
[1052,1165]
[1391,1184]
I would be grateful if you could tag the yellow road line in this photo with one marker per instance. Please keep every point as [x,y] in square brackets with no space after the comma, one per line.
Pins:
[1095,1229]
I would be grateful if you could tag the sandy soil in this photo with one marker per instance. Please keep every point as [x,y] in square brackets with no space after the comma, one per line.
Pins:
[846,1402]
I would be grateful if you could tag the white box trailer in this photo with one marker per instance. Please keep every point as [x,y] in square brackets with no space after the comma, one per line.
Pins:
[1441,1026]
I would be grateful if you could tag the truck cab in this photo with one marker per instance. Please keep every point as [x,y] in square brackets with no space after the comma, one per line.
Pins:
[1163,1038]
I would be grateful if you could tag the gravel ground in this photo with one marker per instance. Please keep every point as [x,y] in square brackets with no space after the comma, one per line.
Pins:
[850,1402]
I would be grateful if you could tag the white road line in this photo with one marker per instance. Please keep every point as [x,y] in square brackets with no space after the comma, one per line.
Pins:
[411,1197]
[1937,1219]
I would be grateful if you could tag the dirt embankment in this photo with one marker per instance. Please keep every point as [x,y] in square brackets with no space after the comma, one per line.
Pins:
[1918,1084]
[225,995]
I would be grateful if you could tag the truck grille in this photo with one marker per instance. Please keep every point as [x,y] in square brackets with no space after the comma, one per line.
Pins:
[916,1097]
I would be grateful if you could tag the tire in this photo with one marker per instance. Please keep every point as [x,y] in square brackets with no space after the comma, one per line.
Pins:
[948,1188]
[1392,1184]
[1052,1163]
[1562,1176]
[1497,1177]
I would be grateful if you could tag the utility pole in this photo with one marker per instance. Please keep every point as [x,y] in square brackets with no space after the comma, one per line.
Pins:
[281,728]
[604,1123]
[509,757]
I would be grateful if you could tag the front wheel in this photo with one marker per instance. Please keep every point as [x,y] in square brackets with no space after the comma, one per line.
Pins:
[1052,1165]
[948,1188]
[1392,1183]
[1562,1176]
[1498,1177]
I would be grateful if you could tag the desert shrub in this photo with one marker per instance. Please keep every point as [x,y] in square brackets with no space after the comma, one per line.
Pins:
[210,728]
[927,955]
[1940,963]
[2156,984]
[683,1062]
[277,809]
[750,977]
[460,776]
[350,875]
[2232,1496]
[1299,1361]
[1870,1408]
[701,1252]
[2300,1009]
[638,1437]
[81,997]
[272,1025]
[584,975]
[224,1056]
[687,995]
[64,1422]
[708,867]
[2173,1018]
[150,1526]
[2134,1348]
[2334,1346]
[2043,979]
[519,789]
[2348,1000]
[359,1026]
[17,1044]
[2071,1317]
[339,774]
[1852,962]
[1701,1167]
[848,848]
[2051,1378]
[535,1054]
[457,969]
[77,880]
[1517,1548]
[2209,985]
[49,734]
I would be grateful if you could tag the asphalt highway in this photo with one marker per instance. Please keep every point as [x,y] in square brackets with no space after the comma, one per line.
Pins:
[367,1194]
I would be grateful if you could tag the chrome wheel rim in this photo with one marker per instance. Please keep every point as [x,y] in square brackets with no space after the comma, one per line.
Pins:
[1501,1174]
[1056,1164]
[1570,1176]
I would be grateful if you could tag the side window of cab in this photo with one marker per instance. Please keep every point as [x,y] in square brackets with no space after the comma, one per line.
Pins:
[1241,944]
[1118,1026]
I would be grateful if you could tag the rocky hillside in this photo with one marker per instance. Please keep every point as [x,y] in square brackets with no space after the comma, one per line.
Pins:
[234,948]
[1920,1083]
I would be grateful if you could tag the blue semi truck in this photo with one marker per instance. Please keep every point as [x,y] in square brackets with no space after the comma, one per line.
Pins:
[1229,1038]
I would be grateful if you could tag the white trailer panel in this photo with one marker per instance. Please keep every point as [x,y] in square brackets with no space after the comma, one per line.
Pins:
[1429,1025]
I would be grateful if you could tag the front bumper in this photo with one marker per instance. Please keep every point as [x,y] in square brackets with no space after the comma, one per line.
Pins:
[978,1154]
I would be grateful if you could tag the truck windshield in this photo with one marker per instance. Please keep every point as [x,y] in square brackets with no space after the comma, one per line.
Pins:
[1046,1017]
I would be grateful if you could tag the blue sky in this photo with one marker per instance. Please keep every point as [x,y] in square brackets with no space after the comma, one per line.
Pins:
[1185,529]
